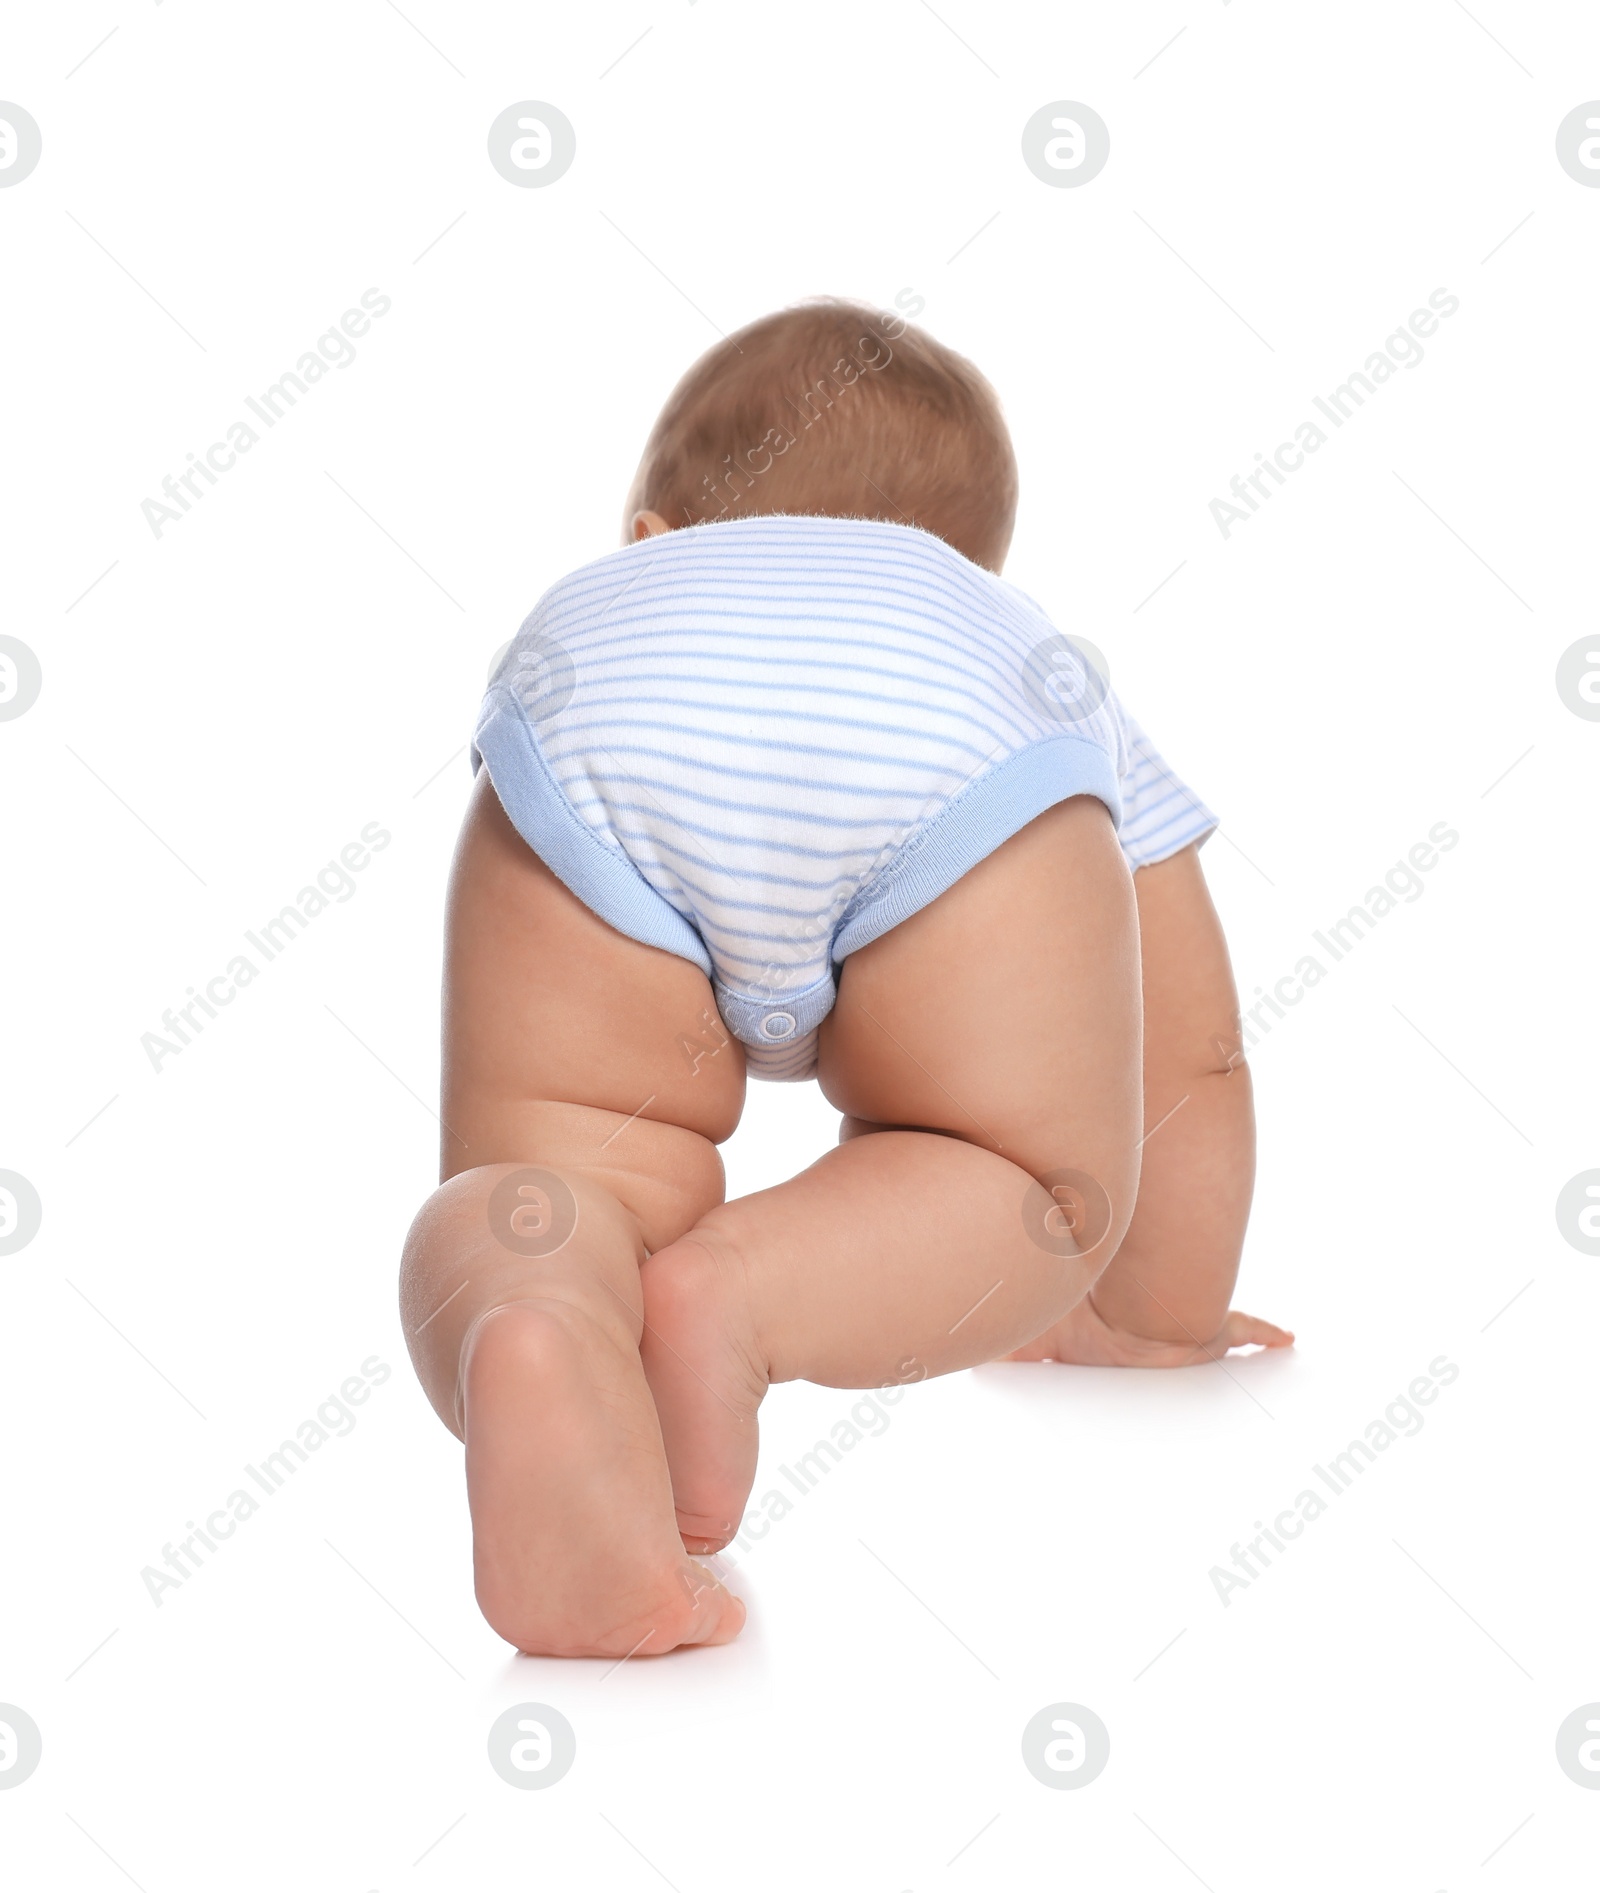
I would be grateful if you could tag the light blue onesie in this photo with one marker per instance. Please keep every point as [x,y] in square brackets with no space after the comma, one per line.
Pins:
[762,743]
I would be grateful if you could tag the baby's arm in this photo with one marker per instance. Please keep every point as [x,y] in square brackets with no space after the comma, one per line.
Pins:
[1163,1300]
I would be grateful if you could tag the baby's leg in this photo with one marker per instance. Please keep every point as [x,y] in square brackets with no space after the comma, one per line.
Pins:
[587,1071]
[992,1043]
[1164,1301]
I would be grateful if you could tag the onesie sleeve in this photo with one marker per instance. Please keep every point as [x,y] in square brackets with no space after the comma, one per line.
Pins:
[1160,812]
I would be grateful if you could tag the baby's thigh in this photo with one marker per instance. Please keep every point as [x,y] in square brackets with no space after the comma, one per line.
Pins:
[568,1044]
[1007,1012]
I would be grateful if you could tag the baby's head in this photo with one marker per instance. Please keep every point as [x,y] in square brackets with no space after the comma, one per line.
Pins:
[832,408]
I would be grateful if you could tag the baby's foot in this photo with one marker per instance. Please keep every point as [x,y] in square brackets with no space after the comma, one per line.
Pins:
[708,1379]
[1083,1338]
[574,1544]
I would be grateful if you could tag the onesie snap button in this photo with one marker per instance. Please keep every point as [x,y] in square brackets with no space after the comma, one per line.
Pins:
[778,1025]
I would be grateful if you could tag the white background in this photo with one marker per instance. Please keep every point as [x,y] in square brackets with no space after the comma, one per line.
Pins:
[225,706]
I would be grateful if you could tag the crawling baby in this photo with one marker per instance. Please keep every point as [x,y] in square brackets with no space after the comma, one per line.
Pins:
[794,784]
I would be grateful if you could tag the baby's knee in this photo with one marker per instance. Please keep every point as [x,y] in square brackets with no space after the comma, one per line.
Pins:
[1080,1215]
[516,1212]
[664,1175]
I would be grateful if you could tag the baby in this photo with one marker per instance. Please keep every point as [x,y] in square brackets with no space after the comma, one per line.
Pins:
[795,783]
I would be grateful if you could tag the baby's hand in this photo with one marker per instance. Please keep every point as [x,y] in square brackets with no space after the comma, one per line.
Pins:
[1084,1339]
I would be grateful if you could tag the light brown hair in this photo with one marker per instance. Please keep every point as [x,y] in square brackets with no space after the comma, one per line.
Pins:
[835,408]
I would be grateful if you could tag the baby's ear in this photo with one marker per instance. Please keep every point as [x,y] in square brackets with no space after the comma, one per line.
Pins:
[646,525]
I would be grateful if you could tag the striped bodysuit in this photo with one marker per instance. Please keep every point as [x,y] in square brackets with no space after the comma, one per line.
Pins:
[762,743]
